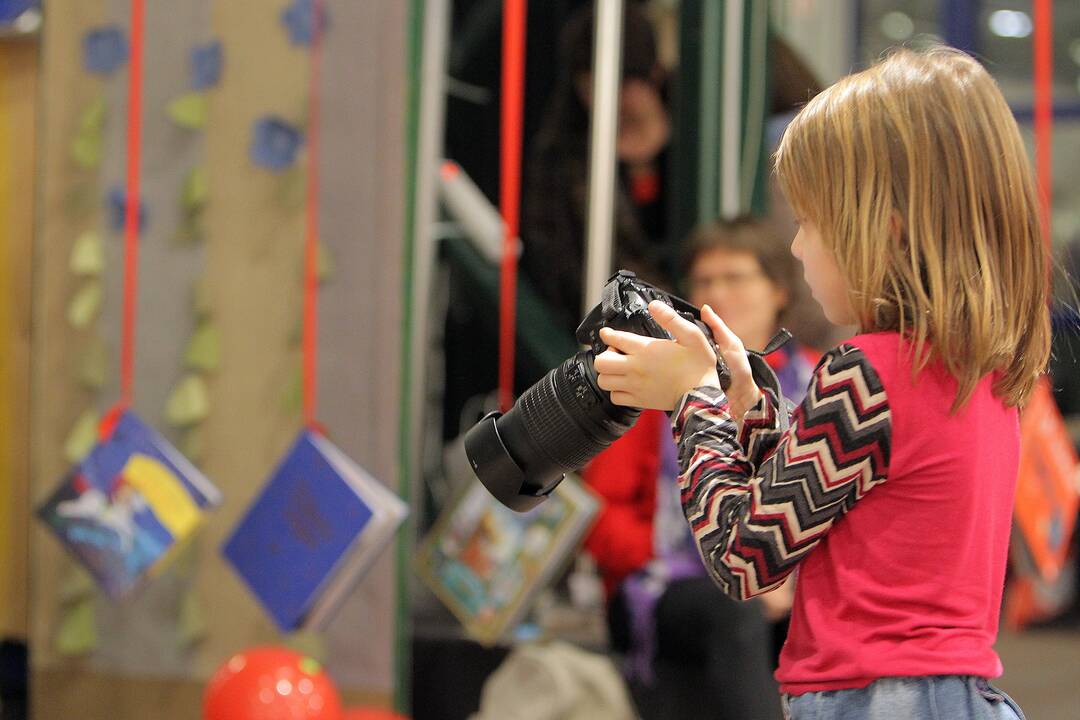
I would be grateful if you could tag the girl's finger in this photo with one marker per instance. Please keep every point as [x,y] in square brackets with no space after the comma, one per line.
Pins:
[624,342]
[725,339]
[611,363]
[624,398]
[611,382]
[685,332]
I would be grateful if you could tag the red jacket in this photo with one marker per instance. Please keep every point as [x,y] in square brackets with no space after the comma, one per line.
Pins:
[625,475]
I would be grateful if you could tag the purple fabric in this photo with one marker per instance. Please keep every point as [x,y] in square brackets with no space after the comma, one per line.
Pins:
[674,561]
[794,374]
[641,597]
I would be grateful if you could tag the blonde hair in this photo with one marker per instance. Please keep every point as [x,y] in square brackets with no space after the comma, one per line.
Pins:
[916,175]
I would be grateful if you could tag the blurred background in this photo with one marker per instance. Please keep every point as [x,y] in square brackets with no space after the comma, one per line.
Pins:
[358,152]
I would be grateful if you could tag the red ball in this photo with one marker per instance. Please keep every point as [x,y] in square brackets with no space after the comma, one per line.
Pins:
[270,683]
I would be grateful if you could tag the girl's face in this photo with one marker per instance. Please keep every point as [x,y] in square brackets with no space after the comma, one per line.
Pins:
[734,285]
[822,274]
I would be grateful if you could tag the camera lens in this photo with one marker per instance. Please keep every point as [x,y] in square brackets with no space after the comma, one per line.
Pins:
[556,426]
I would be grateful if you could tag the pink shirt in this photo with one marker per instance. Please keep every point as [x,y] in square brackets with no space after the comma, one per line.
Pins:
[895,513]
[909,582]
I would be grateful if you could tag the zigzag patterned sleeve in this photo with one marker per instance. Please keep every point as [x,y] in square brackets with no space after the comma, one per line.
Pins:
[754,523]
[761,431]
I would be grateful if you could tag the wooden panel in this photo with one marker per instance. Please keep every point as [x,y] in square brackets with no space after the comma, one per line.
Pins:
[56,398]
[140,636]
[362,223]
[253,276]
[18,93]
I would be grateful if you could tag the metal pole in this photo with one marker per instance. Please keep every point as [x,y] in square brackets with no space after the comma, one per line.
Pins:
[511,108]
[731,143]
[708,130]
[1043,81]
[607,77]
[432,116]
[431,113]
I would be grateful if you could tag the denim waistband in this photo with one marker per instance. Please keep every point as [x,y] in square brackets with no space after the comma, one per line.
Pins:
[933,697]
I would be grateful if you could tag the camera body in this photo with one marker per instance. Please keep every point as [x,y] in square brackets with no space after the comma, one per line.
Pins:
[565,419]
[624,305]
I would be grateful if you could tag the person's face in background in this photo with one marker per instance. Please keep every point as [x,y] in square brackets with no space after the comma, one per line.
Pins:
[733,283]
[644,124]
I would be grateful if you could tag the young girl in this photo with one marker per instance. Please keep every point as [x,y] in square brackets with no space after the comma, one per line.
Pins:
[892,489]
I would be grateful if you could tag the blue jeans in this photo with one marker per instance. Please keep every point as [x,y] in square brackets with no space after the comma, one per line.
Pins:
[935,697]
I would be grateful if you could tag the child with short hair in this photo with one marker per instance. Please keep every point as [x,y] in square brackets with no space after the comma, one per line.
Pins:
[892,490]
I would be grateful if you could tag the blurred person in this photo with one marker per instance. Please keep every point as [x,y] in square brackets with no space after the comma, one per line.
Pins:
[892,489]
[555,200]
[556,173]
[745,272]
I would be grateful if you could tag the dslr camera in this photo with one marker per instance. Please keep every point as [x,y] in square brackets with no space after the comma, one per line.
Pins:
[564,420]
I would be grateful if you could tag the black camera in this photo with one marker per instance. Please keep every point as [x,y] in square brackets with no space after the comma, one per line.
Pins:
[564,420]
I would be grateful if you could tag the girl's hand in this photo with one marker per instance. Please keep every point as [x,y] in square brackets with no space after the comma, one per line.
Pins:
[777,603]
[652,373]
[742,394]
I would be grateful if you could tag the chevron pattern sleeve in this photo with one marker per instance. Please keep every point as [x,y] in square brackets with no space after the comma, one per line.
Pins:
[761,431]
[753,519]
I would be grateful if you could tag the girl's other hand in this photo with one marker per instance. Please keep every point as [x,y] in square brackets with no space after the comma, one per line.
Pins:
[742,394]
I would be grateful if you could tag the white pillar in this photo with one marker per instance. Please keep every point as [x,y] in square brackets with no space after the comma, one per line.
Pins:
[607,77]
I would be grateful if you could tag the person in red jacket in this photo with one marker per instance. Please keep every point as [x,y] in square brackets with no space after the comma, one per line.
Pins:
[660,596]
[891,491]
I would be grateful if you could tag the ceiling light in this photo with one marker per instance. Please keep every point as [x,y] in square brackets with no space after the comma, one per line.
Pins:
[1010,23]
[897,26]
